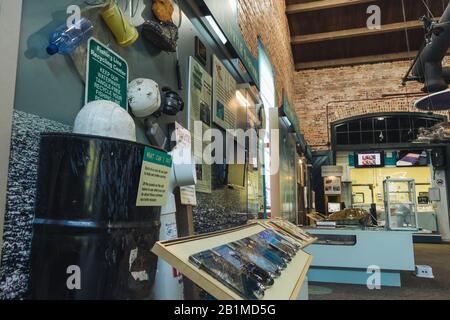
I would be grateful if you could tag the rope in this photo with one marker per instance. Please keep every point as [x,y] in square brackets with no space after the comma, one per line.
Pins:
[407,46]
[428,9]
[406,29]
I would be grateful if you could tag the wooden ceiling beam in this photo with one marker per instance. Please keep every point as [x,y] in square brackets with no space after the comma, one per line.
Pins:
[356,60]
[321,5]
[357,32]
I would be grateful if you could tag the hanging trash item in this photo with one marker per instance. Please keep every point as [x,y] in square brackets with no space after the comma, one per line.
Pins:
[162,32]
[66,39]
[172,103]
[144,97]
[164,35]
[123,31]
[163,10]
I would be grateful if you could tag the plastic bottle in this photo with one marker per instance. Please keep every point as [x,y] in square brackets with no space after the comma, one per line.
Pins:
[65,40]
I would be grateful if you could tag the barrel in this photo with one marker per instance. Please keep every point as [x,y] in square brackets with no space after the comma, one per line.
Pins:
[90,239]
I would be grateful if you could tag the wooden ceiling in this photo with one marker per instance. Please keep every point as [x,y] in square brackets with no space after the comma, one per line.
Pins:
[326,33]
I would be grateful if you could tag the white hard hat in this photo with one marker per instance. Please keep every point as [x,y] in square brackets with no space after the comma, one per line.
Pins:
[107,119]
[144,97]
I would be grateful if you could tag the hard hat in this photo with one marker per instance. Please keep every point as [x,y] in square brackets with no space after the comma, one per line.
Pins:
[172,103]
[144,97]
[107,119]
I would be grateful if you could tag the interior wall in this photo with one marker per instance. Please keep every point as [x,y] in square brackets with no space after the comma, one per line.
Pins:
[10,14]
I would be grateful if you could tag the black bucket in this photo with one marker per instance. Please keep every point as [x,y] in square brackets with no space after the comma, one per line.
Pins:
[90,240]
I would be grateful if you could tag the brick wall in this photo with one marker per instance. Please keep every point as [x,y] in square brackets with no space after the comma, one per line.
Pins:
[346,92]
[326,95]
[267,19]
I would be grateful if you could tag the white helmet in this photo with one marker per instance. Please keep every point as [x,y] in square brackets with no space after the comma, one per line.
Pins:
[107,119]
[144,97]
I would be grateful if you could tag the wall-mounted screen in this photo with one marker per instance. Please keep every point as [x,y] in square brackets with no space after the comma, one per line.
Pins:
[412,158]
[369,159]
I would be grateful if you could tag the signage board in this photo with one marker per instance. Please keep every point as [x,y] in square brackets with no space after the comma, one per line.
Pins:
[154,180]
[332,171]
[106,75]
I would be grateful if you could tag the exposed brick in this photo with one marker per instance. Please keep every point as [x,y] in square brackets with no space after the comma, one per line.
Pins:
[267,19]
[326,95]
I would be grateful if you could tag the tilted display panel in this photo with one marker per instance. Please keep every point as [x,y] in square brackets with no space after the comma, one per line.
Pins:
[178,252]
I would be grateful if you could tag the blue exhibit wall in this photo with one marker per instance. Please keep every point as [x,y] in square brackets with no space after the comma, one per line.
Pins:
[49,94]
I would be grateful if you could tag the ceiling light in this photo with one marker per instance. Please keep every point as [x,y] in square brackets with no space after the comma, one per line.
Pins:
[216,29]
[287,122]
[242,100]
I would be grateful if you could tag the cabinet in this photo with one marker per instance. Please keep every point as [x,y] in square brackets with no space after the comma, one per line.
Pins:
[400,204]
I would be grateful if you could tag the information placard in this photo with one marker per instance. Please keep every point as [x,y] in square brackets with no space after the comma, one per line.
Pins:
[154,181]
[200,99]
[224,92]
[106,75]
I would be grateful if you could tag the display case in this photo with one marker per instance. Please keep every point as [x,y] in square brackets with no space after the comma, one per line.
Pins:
[221,264]
[400,204]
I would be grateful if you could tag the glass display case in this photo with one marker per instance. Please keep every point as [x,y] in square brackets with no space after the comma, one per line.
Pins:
[400,204]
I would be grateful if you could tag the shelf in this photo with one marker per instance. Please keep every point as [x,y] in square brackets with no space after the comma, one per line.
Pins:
[405,203]
[402,192]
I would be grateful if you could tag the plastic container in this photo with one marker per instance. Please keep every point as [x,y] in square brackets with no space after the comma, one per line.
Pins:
[122,30]
[65,40]
[86,216]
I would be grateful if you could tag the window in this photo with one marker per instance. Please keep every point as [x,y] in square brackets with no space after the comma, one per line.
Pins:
[386,129]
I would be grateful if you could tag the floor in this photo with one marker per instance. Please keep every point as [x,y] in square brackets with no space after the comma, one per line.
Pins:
[436,256]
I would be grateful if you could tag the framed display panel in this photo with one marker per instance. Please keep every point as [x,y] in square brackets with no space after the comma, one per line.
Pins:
[177,253]
[400,204]
[285,227]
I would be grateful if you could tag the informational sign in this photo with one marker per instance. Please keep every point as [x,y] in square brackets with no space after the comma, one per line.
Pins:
[188,196]
[332,185]
[200,99]
[183,140]
[154,180]
[106,75]
[224,96]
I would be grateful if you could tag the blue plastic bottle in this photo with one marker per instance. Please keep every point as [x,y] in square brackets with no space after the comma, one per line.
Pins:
[65,40]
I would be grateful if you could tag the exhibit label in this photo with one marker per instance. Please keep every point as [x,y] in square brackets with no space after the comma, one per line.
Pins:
[224,91]
[106,75]
[200,99]
[154,181]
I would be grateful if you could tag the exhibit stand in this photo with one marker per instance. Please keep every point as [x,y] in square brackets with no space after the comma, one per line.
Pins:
[291,284]
[351,256]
